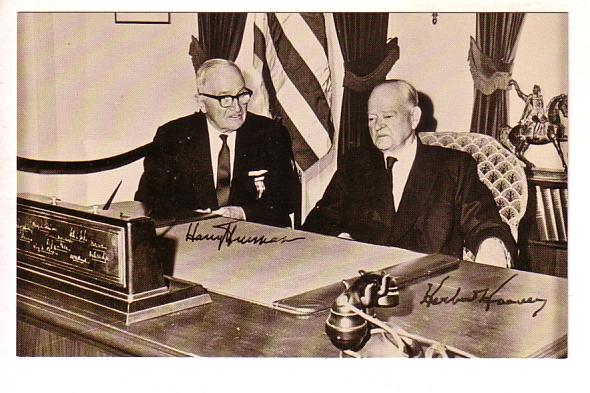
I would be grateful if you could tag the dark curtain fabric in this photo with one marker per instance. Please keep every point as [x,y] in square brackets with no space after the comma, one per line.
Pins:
[363,41]
[220,36]
[497,35]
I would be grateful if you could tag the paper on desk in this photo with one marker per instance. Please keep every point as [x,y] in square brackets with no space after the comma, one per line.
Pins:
[269,272]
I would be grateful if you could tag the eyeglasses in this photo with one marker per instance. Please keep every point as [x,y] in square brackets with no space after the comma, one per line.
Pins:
[227,100]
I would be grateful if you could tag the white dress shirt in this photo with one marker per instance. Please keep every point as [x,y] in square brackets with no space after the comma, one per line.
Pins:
[401,170]
[215,144]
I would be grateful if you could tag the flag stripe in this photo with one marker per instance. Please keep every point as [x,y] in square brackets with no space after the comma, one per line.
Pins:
[307,48]
[259,52]
[303,153]
[317,25]
[294,74]
[302,77]
[259,43]
[260,102]
[298,109]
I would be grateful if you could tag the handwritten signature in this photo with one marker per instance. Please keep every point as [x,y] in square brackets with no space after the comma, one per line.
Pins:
[228,236]
[432,298]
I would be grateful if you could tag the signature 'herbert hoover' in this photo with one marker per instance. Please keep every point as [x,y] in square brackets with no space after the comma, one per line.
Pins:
[433,298]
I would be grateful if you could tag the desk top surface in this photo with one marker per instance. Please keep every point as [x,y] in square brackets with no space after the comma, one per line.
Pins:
[234,328]
[263,264]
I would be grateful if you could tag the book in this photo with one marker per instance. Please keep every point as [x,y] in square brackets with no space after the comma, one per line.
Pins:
[540,216]
[563,193]
[549,214]
[559,215]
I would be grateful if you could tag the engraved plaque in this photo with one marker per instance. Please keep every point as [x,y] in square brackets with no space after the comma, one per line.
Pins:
[89,248]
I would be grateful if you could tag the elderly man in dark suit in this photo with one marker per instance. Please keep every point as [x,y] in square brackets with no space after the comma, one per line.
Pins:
[222,158]
[402,193]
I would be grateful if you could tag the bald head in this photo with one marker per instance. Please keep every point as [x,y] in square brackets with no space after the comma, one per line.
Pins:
[393,114]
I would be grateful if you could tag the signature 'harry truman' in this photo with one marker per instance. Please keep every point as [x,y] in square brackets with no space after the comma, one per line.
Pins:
[228,236]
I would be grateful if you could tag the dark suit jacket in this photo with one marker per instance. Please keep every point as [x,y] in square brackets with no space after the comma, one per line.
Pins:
[178,175]
[443,208]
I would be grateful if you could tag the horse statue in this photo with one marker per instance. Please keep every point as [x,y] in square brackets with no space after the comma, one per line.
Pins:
[536,128]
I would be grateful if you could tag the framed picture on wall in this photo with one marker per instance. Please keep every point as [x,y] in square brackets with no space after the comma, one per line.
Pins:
[143,17]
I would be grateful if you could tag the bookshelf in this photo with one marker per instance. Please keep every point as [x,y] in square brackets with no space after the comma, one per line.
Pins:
[543,230]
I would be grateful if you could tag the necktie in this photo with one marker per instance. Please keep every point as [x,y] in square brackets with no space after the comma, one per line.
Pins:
[223,173]
[390,162]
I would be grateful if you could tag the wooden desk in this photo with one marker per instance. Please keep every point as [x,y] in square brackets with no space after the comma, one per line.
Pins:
[233,328]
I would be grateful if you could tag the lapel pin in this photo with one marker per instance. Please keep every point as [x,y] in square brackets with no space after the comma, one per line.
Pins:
[258,177]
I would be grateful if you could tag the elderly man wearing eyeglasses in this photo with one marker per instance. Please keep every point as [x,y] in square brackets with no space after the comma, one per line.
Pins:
[221,158]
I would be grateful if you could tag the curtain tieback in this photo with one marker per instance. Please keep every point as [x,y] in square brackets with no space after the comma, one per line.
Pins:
[366,83]
[488,74]
[198,53]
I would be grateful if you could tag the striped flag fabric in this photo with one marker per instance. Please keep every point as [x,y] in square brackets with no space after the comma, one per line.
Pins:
[291,55]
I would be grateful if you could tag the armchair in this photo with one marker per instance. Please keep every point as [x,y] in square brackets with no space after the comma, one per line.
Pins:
[498,169]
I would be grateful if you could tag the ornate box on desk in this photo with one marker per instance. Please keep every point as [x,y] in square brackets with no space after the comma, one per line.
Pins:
[93,259]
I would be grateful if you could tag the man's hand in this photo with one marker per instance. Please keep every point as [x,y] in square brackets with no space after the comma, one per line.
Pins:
[493,252]
[235,212]
[345,235]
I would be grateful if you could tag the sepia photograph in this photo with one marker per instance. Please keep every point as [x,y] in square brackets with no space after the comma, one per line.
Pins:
[293,185]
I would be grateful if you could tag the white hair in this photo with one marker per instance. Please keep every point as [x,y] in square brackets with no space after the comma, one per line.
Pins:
[411,93]
[202,72]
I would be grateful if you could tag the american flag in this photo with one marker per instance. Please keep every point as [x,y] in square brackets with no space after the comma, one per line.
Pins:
[291,57]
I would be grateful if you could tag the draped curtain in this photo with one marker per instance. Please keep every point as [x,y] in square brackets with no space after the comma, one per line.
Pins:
[496,35]
[363,41]
[220,36]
